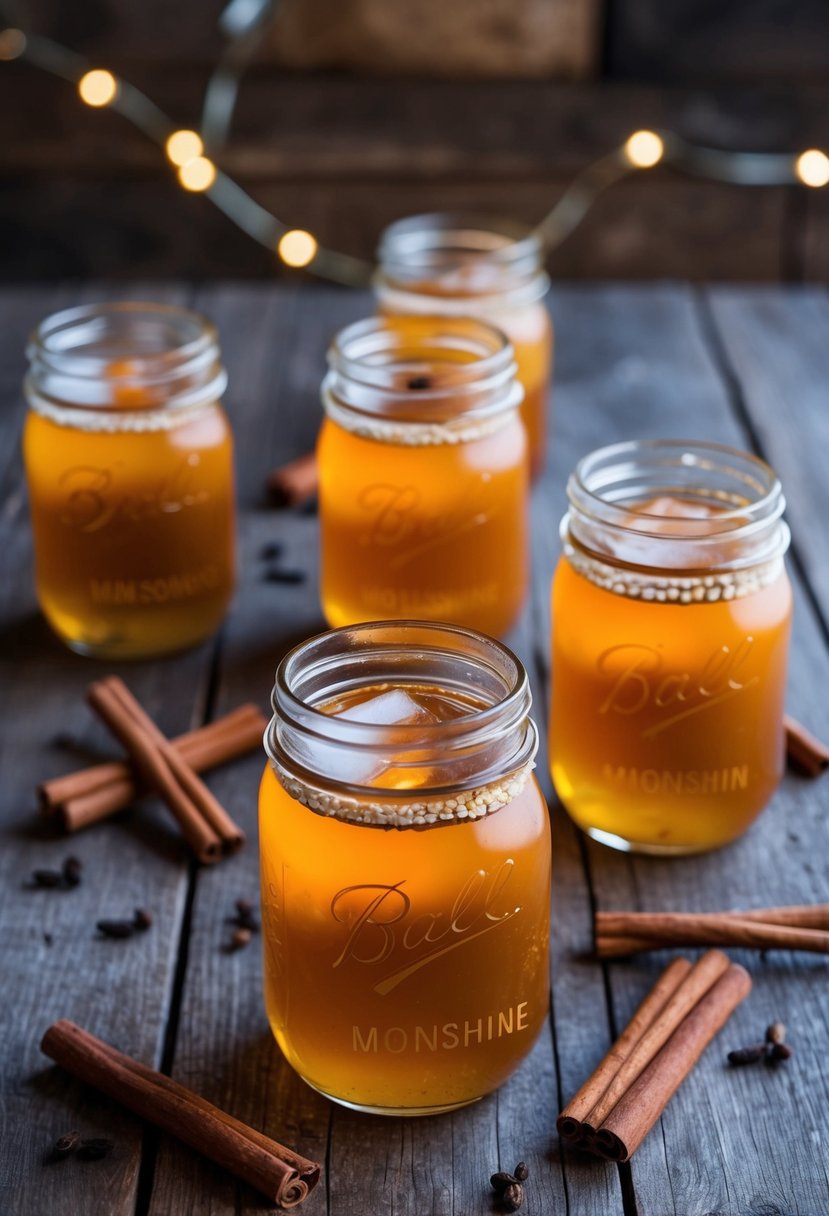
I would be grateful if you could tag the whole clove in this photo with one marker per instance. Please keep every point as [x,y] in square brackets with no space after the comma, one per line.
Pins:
[245,918]
[65,1145]
[240,939]
[95,1149]
[116,928]
[275,574]
[748,1055]
[47,878]
[779,1051]
[513,1196]
[775,1033]
[142,920]
[72,871]
[522,1171]
[502,1180]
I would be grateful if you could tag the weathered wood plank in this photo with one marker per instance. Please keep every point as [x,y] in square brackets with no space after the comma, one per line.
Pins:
[773,346]
[643,369]
[118,989]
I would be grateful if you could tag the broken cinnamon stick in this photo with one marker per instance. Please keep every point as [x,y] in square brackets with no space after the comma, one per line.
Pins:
[278,1172]
[632,1118]
[804,751]
[620,933]
[293,483]
[205,823]
[89,795]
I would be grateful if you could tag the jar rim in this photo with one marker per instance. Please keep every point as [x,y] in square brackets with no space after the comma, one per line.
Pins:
[338,660]
[745,528]
[160,356]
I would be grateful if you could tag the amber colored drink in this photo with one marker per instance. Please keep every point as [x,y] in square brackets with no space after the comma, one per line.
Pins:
[434,532]
[405,969]
[667,706]
[133,532]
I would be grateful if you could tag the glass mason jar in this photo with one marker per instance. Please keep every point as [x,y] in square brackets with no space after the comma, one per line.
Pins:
[405,857]
[129,463]
[460,265]
[423,484]
[671,619]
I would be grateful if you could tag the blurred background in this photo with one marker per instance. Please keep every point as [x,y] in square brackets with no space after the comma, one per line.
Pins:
[354,112]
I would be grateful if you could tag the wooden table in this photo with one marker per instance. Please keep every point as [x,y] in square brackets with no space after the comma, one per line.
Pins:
[744,367]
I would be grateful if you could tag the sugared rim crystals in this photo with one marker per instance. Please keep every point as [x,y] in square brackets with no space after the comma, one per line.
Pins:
[457,807]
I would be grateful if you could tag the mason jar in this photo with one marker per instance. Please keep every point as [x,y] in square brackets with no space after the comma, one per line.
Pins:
[405,858]
[129,464]
[455,265]
[423,487]
[671,621]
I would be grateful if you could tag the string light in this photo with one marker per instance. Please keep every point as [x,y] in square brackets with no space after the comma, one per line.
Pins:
[183,146]
[812,167]
[197,174]
[98,87]
[297,248]
[12,44]
[644,149]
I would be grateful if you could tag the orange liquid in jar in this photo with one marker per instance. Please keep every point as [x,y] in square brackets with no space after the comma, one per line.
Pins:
[406,970]
[666,726]
[433,531]
[133,531]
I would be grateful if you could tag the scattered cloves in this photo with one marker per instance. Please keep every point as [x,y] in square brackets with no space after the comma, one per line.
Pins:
[65,1145]
[522,1171]
[771,1050]
[502,1180]
[94,1150]
[116,928]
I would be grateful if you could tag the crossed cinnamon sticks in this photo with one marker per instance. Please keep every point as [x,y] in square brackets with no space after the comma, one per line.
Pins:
[281,1174]
[619,1104]
[168,767]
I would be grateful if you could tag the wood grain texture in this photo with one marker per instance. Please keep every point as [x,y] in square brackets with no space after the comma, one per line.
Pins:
[631,361]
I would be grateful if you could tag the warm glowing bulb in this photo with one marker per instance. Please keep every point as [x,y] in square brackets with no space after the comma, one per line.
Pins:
[812,167]
[197,174]
[297,248]
[644,149]
[12,44]
[182,146]
[98,88]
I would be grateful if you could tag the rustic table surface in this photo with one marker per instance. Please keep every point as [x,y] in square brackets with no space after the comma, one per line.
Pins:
[746,367]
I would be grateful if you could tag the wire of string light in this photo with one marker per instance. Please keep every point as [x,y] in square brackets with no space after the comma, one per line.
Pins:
[297,248]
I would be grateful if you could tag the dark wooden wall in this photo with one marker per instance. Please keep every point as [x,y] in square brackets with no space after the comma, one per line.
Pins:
[82,193]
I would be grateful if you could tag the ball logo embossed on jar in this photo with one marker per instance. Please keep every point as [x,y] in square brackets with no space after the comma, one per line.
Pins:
[129,464]
[442,532]
[404,846]
[671,617]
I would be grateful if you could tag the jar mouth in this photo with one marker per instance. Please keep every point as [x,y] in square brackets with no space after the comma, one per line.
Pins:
[677,504]
[132,356]
[421,369]
[494,739]
[442,239]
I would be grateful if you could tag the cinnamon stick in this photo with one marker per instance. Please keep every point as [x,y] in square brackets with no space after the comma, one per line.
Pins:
[632,1118]
[293,483]
[805,752]
[278,1172]
[699,980]
[92,794]
[569,1122]
[619,933]
[206,825]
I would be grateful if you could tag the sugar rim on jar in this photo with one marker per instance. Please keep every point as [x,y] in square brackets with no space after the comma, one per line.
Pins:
[304,743]
[423,258]
[726,554]
[81,358]
[398,382]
